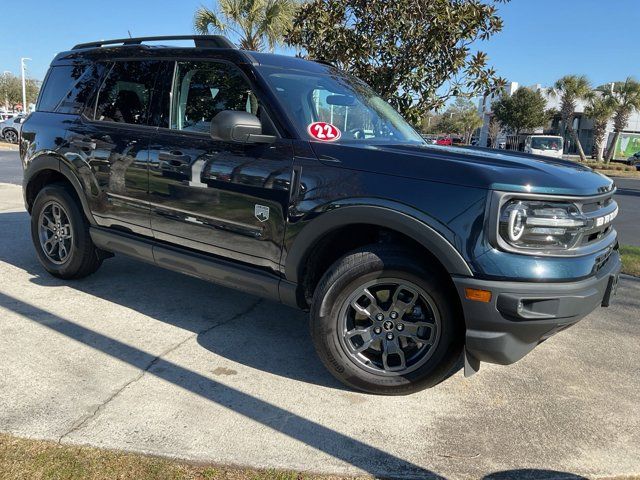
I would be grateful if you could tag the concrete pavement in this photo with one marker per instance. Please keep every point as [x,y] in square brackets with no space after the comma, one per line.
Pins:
[142,359]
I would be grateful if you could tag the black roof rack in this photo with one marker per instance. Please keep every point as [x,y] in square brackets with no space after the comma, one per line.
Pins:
[204,41]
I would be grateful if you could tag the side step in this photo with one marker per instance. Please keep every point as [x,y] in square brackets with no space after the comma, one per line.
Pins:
[212,269]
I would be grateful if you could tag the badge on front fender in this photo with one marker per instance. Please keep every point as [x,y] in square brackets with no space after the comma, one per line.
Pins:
[261,212]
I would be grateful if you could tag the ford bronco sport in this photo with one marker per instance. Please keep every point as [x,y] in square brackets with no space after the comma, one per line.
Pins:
[289,179]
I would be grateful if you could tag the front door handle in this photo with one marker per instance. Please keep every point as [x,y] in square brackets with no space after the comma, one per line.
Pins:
[174,158]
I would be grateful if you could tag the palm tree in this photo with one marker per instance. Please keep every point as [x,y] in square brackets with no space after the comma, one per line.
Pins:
[626,98]
[253,21]
[572,88]
[600,109]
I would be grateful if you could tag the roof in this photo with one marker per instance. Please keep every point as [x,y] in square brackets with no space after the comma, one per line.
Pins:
[205,46]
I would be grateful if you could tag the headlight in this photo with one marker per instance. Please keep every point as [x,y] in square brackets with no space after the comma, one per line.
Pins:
[541,225]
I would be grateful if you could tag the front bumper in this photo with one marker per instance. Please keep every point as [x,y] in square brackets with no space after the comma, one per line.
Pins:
[520,315]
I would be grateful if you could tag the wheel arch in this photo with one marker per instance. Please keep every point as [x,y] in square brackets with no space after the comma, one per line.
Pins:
[48,168]
[380,217]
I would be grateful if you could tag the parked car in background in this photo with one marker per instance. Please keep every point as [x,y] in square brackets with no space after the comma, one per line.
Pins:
[634,160]
[546,145]
[10,128]
[4,115]
[446,141]
[430,139]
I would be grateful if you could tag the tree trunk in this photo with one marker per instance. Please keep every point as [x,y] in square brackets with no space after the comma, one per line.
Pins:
[612,149]
[599,134]
[574,135]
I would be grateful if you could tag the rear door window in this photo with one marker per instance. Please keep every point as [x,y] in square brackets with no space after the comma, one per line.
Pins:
[126,92]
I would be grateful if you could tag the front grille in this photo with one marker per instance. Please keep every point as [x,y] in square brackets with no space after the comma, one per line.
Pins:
[600,211]
[596,206]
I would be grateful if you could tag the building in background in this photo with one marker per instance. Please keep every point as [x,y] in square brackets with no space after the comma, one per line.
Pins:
[629,139]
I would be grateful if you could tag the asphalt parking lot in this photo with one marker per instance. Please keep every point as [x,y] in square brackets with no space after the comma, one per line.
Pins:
[143,359]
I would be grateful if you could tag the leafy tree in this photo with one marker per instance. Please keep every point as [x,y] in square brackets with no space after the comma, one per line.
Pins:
[522,111]
[626,99]
[416,55]
[572,88]
[447,124]
[11,90]
[466,118]
[600,109]
[255,22]
[461,118]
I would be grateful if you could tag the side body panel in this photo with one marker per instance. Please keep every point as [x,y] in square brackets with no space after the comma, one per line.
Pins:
[115,163]
[219,198]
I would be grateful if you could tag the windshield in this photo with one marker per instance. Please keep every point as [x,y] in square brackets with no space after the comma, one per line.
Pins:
[546,143]
[345,103]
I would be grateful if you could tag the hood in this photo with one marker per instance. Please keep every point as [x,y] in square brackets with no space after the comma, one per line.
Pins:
[472,167]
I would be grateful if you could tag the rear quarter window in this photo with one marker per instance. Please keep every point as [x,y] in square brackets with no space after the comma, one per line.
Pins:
[68,88]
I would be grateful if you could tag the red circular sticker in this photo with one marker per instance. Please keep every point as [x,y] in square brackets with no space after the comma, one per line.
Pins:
[325,132]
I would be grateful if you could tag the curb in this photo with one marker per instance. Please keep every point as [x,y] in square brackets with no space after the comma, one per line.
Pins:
[8,147]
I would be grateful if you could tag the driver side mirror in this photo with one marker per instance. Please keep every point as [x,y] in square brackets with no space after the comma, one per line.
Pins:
[238,127]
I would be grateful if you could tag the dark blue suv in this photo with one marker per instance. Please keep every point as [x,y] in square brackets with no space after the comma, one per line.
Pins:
[289,179]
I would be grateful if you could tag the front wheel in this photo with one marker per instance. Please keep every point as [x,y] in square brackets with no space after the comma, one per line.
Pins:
[11,136]
[383,323]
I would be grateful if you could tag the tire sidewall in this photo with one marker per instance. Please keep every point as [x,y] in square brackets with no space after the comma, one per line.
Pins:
[59,194]
[325,324]
[15,140]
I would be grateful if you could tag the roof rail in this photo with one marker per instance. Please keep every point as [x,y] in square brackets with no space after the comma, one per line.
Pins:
[204,41]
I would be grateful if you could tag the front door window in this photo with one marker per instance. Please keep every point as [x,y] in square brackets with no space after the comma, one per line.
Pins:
[204,89]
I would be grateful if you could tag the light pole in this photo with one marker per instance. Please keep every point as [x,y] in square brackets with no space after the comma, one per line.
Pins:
[6,74]
[24,86]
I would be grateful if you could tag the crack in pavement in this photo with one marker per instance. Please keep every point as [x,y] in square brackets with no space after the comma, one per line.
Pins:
[82,421]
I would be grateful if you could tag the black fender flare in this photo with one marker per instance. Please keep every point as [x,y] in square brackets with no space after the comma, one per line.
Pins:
[393,216]
[52,161]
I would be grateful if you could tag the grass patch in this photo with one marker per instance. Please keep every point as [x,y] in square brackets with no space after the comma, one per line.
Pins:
[614,169]
[630,260]
[36,459]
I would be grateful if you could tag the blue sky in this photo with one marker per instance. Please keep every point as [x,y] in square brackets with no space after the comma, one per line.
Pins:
[541,41]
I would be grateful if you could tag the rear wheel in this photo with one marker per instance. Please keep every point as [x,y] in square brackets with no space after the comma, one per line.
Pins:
[383,323]
[60,234]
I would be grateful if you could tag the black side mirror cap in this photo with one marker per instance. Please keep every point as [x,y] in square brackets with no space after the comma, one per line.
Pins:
[238,127]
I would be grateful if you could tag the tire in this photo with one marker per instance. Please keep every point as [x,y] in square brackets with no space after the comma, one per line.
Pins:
[11,136]
[334,319]
[82,257]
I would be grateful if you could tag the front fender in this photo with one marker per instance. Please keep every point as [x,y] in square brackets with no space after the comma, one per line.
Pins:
[391,215]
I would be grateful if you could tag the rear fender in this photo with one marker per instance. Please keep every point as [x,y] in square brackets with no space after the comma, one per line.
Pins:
[56,162]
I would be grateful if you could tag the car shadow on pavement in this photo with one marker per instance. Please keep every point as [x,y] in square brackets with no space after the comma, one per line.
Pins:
[356,453]
[245,332]
[532,474]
